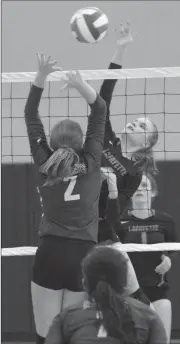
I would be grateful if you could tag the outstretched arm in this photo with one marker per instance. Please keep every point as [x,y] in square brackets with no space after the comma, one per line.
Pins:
[94,140]
[37,138]
[107,88]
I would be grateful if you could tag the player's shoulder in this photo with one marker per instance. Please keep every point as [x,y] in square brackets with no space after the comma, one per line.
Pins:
[78,307]
[163,216]
[140,310]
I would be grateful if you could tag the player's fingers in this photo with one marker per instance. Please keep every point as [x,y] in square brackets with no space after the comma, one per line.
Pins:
[127,28]
[53,63]
[57,69]
[48,59]
[78,74]
[38,58]
[42,57]
[121,29]
[69,76]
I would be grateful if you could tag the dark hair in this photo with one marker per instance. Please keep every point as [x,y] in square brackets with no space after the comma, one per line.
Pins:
[105,279]
[66,140]
[66,133]
[145,157]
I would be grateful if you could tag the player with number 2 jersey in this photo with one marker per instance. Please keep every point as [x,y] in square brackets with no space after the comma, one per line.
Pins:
[69,186]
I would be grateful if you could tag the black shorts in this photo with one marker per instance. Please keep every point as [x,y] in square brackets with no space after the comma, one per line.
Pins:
[156,293]
[57,263]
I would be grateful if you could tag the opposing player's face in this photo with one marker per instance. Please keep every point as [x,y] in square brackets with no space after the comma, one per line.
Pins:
[139,131]
[144,193]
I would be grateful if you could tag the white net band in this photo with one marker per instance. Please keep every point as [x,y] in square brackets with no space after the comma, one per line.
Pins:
[30,251]
[138,73]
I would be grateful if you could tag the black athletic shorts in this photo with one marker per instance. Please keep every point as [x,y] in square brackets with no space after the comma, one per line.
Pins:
[156,293]
[57,263]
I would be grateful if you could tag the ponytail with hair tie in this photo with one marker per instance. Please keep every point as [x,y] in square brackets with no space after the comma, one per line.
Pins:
[61,164]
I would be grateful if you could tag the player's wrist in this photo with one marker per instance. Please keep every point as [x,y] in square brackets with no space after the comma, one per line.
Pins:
[118,55]
[40,79]
[87,92]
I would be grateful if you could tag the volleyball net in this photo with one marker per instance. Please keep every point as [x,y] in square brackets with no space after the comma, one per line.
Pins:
[151,92]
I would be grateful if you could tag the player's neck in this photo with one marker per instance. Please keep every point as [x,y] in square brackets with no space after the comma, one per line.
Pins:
[142,213]
[127,149]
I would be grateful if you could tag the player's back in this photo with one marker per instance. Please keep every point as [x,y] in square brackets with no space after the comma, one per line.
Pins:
[80,324]
[70,207]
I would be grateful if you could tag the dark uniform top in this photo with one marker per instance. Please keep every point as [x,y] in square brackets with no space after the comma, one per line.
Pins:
[80,324]
[127,172]
[71,206]
[156,229]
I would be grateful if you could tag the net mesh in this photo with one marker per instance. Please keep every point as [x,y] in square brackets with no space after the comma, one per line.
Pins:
[139,92]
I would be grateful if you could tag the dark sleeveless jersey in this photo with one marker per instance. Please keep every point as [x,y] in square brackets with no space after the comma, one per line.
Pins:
[70,207]
[127,172]
[80,324]
[156,229]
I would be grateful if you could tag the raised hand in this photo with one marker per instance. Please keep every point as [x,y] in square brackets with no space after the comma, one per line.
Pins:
[46,66]
[124,35]
[74,79]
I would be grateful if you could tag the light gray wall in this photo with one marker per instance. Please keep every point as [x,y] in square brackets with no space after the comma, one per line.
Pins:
[31,26]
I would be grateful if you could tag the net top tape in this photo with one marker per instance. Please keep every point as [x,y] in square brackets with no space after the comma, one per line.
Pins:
[30,250]
[138,73]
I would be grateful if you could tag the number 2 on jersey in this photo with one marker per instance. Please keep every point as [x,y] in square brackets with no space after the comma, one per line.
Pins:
[68,194]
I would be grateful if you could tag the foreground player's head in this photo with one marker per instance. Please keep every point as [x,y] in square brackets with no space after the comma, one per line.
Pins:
[138,138]
[66,140]
[105,279]
[66,134]
[146,192]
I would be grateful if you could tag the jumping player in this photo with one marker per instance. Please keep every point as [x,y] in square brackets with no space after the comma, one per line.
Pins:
[145,225]
[68,172]
[130,155]
[108,316]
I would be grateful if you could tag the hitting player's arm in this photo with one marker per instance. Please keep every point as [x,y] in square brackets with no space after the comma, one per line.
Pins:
[106,93]
[107,90]
[37,138]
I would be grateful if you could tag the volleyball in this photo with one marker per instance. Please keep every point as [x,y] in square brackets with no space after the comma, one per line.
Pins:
[89,25]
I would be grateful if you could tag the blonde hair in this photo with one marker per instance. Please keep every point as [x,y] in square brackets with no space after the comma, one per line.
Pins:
[60,165]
